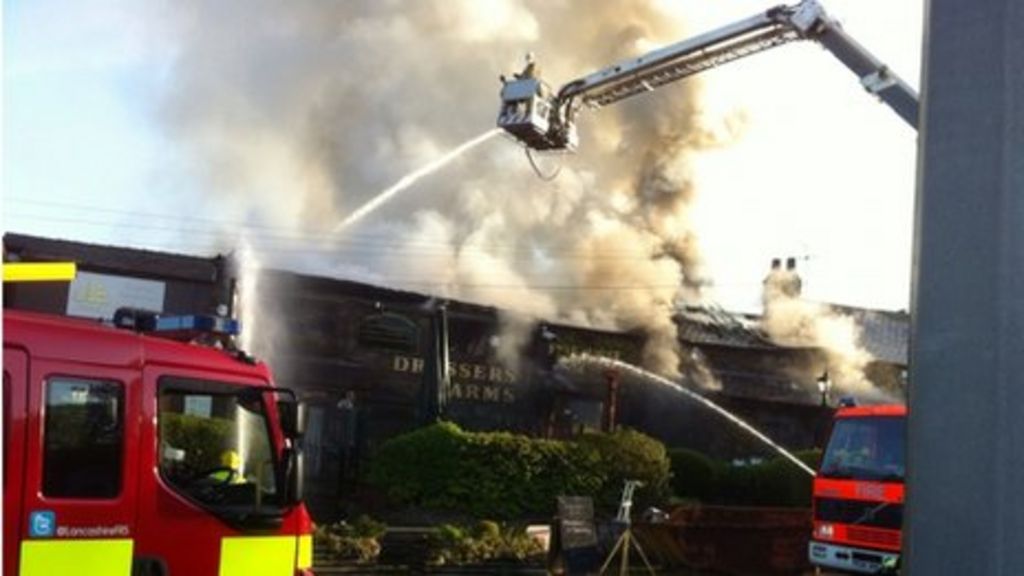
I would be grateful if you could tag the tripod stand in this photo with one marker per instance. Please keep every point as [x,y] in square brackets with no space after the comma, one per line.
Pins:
[626,540]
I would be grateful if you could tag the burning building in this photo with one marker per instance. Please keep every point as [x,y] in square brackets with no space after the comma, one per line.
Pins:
[373,362]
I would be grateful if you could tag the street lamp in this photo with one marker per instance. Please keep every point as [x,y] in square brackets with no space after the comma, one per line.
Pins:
[824,387]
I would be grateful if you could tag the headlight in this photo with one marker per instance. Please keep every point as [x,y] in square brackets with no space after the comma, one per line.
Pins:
[826,531]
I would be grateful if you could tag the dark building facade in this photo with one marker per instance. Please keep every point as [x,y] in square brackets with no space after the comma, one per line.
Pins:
[367,361]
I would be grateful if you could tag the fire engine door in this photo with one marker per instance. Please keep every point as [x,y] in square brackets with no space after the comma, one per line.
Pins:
[80,474]
[15,401]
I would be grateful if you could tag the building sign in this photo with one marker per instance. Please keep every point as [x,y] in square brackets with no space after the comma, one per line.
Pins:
[470,381]
[572,342]
[100,295]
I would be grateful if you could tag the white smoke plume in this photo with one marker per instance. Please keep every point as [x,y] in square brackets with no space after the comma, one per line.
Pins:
[297,113]
[792,321]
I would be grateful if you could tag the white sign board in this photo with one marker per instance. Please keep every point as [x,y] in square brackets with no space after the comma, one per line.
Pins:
[99,295]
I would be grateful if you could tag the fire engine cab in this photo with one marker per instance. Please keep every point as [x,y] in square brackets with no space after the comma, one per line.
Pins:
[147,448]
[858,491]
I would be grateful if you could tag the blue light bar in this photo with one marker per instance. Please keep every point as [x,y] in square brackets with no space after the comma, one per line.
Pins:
[186,327]
[194,323]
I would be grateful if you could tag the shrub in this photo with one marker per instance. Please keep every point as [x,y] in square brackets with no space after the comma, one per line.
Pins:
[777,482]
[418,463]
[366,527]
[810,457]
[503,475]
[488,540]
[629,455]
[359,541]
[693,474]
[792,486]
[780,482]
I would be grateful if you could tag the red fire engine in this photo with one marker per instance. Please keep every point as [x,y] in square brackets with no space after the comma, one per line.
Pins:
[135,449]
[858,492]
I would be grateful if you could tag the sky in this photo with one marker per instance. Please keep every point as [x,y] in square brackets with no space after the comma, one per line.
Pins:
[817,170]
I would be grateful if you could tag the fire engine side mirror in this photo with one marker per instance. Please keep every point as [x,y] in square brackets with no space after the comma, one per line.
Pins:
[292,415]
[293,474]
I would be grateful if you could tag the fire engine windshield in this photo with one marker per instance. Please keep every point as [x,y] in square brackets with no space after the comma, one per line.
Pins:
[869,448]
[216,448]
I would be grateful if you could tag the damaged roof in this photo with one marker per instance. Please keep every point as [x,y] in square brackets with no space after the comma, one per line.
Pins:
[884,334]
[713,326]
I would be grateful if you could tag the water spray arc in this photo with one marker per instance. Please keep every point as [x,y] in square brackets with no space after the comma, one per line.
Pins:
[248,270]
[411,178]
[604,362]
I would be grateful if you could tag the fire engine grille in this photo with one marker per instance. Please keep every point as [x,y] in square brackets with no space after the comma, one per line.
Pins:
[859,512]
[868,536]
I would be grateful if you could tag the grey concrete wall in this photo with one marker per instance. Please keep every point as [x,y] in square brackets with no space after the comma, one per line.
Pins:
[965,499]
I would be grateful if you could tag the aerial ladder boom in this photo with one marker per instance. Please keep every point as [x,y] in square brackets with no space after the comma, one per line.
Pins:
[546,120]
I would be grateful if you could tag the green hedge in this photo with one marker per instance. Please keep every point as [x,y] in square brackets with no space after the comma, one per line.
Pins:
[777,482]
[693,474]
[502,475]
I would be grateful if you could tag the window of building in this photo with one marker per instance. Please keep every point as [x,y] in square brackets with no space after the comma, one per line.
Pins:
[83,438]
[388,331]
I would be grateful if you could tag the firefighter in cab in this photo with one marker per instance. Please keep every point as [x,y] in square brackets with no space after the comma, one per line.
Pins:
[230,471]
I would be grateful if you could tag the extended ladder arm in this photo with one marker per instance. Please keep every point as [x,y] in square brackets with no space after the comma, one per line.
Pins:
[874,75]
[546,121]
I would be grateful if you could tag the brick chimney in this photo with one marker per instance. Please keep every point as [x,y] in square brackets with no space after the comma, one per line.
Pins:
[782,282]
